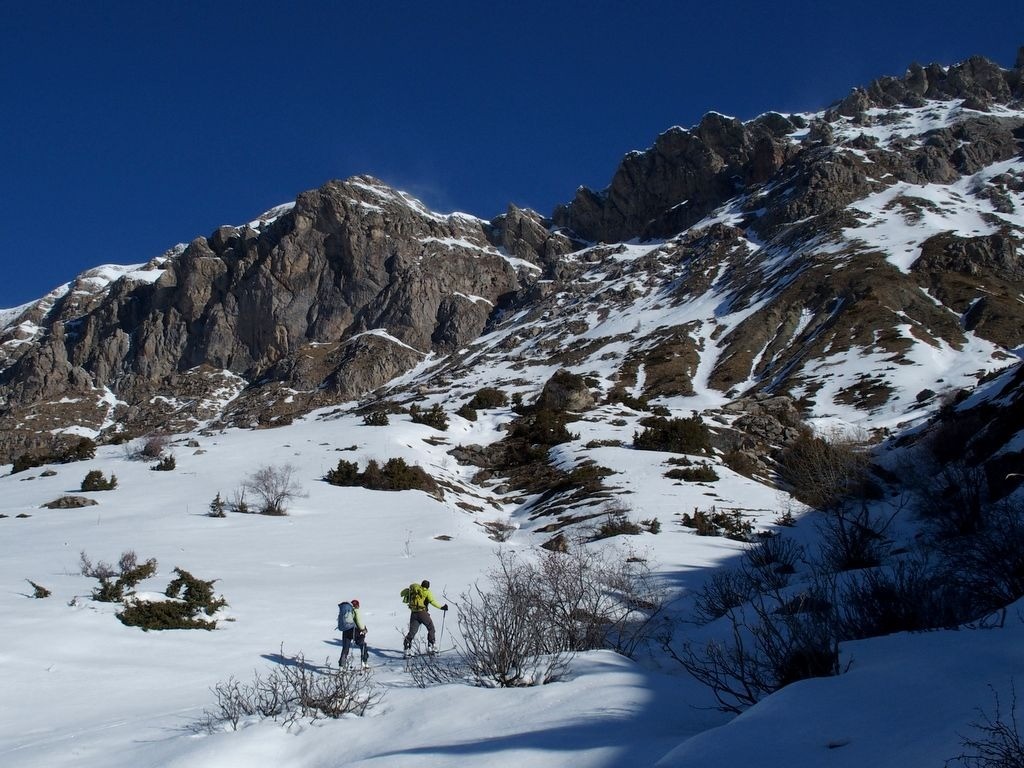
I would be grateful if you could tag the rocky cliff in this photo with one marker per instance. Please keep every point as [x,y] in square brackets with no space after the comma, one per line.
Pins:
[853,259]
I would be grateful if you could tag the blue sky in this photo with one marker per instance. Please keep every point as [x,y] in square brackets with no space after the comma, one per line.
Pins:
[130,126]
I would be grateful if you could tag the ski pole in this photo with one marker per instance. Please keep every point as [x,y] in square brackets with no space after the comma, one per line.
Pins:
[444,614]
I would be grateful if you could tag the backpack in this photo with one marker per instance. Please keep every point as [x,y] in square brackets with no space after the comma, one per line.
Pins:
[346,616]
[413,597]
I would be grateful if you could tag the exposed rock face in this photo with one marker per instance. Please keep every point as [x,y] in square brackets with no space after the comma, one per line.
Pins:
[680,179]
[259,301]
[688,173]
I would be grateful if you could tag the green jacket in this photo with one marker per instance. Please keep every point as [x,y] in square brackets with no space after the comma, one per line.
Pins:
[417,597]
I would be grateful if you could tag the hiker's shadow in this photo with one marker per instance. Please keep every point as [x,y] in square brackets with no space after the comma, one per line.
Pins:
[298,662]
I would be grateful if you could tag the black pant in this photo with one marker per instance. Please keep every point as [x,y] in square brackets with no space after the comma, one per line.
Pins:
[416,618]
[346,642]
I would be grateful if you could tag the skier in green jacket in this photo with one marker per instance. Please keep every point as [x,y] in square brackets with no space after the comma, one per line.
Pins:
[418,597]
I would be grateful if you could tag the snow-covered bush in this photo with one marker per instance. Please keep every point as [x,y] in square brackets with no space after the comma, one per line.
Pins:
[191,599]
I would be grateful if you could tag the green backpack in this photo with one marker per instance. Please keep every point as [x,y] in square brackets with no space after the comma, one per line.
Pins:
[414,597]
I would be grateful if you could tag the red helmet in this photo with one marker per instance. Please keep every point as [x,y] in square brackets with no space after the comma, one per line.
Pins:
[355,603]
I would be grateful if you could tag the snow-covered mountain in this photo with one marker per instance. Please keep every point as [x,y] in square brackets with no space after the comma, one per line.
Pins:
[857,269]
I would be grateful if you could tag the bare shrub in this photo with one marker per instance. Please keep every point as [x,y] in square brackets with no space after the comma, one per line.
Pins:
[766,567]
[777,553]
[723,592]
[989,565]
[772,641]
[996,739]
[599,598]
[909,596]
[952,499]
[821,471]
[153,447]
[852,536]
[238,502]
[500,530]
[274,487]
[290,692]
[505,639]
[427,669]
[530,618]
[616,524]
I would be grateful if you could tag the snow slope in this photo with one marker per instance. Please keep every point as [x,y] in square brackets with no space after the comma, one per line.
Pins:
[80,689]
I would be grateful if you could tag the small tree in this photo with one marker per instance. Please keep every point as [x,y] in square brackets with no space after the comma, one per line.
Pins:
[376,419]
[165,464]
[275,487]
[95,481]
[689,435]
[346,474]
[217,507]
[488,397]
[435,417]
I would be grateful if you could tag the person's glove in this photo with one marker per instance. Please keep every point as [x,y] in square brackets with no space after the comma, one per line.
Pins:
[444,607]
